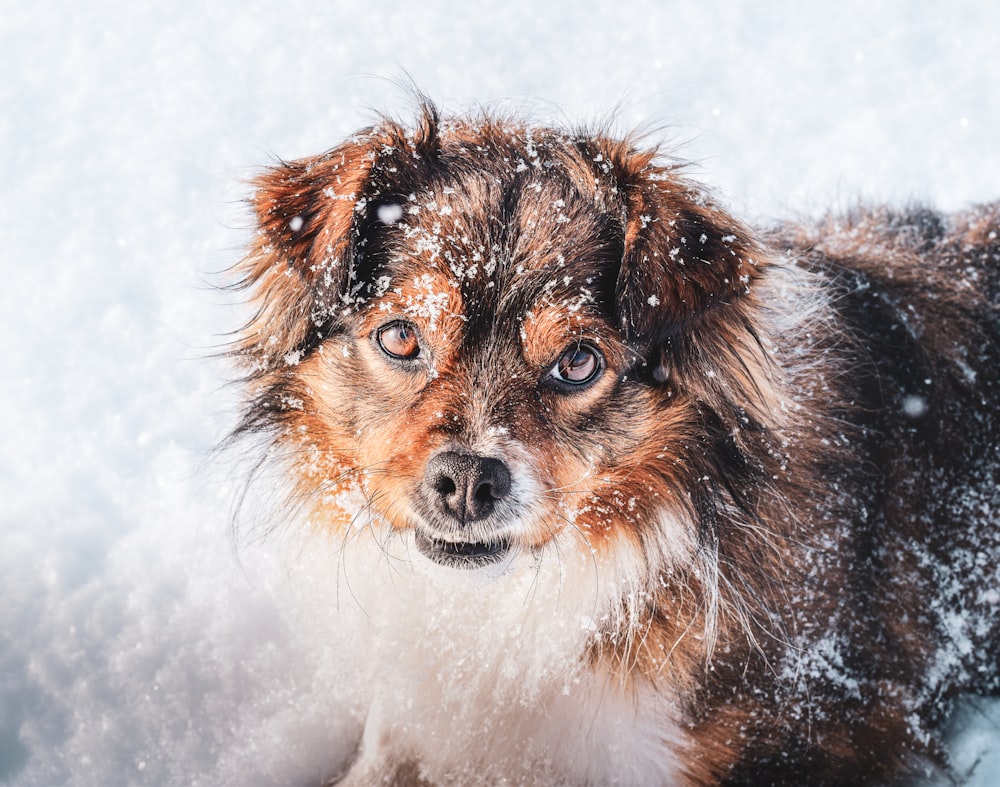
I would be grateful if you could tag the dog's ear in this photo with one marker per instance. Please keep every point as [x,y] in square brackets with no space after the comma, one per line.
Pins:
[684,257]
[320,231]
[304,253]
[685,288]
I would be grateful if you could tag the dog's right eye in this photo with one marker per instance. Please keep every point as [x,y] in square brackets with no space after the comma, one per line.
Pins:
[399,340]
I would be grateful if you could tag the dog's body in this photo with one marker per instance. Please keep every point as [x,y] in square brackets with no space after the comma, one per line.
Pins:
[628,494]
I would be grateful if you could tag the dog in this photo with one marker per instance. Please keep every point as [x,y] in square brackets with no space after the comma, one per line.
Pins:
[625,491]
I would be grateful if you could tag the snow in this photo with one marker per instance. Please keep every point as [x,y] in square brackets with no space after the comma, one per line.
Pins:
[138,645]
[914,406]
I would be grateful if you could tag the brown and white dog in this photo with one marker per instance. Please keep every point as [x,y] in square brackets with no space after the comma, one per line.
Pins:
[627,492]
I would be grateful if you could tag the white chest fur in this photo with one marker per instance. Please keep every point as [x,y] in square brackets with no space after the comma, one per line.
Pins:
[465,678]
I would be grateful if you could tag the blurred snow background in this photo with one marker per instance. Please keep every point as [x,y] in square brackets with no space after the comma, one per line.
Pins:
[136,645]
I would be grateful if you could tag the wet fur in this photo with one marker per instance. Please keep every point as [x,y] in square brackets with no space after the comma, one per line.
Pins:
[775,513]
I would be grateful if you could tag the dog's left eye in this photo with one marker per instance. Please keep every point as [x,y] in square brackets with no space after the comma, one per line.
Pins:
[399,340]
[579,366]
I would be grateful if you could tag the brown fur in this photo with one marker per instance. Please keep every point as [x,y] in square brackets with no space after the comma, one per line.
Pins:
[828,458]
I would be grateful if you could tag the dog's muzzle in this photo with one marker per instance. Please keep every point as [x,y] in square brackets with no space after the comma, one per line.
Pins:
[462,492]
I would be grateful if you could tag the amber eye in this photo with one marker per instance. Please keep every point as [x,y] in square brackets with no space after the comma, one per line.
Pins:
[580,365]
[399,340]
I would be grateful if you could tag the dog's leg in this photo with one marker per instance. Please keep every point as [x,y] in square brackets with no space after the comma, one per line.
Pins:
[374,763]
[360,775]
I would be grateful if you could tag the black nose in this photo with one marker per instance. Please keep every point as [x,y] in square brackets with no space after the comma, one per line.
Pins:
[464,486]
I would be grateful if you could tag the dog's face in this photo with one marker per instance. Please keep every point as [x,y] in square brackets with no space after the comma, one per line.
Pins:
[502,335]
[488,384]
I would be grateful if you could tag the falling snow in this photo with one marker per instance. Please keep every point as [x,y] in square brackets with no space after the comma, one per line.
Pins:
[137,646]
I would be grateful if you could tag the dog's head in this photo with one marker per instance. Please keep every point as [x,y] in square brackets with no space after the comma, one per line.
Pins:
[502,334]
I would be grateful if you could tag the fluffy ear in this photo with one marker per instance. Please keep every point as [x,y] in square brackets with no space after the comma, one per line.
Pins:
[319,235]
[684,257]
[299,265]
[684,290]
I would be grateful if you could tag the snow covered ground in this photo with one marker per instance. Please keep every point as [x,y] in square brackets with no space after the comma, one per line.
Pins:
[136,645]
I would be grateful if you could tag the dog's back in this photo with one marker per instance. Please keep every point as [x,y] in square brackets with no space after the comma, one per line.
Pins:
[920,296]
[907,577]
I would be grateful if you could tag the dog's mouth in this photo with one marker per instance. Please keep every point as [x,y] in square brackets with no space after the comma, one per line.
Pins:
[462,554]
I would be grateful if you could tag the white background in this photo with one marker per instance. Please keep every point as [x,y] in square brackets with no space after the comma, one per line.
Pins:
[136,646]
